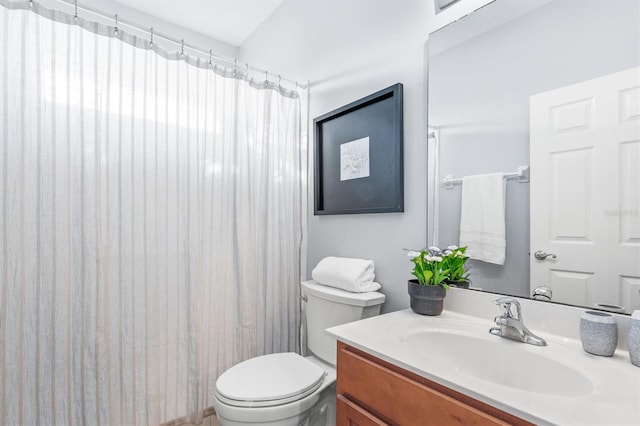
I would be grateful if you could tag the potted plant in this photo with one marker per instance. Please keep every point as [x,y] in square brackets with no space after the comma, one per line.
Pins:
[428,290]
[454,260]
[435,271]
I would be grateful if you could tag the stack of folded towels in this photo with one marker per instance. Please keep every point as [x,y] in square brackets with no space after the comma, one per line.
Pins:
[355,275]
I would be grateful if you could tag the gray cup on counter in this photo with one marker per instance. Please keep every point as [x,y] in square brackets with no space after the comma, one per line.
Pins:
[598,333]
[633,339]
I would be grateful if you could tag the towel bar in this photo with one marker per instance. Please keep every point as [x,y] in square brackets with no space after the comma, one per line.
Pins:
[522,175]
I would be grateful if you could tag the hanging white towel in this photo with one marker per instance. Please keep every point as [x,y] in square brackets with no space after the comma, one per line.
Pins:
[482,218]
[355,275]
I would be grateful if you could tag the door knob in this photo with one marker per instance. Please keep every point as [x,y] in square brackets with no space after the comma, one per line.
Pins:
[541,255]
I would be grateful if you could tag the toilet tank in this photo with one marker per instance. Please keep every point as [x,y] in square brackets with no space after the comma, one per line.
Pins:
[326,307]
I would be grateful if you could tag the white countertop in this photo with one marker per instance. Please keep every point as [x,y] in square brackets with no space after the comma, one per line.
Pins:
[610,395]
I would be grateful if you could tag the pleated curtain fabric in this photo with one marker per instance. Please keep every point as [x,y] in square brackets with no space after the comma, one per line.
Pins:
[150,227]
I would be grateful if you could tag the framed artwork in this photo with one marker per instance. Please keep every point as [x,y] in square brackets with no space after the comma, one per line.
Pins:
[358,165]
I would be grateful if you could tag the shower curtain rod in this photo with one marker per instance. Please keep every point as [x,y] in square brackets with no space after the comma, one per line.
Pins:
[153,35]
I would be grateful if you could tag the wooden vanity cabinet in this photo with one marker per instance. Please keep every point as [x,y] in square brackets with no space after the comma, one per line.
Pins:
[371,391]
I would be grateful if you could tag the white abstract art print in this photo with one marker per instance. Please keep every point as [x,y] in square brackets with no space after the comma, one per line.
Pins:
[354,159]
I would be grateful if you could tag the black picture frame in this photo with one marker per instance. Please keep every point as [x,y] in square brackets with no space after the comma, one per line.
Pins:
[370,127]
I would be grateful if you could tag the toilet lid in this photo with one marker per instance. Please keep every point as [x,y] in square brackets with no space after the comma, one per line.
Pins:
[269,380]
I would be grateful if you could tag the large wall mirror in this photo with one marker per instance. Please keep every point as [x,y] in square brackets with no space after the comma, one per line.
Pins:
[552,85]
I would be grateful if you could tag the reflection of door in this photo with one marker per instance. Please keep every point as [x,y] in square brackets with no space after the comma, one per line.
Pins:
[585,190]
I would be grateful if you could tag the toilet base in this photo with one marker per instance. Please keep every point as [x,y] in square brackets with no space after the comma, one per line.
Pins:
[317,409]
[322,413]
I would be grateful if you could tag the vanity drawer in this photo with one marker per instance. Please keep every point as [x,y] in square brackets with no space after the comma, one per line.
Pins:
[395,396]
[354,415]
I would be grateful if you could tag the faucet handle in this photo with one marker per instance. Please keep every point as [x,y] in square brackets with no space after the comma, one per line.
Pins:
[505,303]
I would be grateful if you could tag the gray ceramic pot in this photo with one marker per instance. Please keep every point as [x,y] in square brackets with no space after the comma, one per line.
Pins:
[426,299]
[633,339]
[598,333]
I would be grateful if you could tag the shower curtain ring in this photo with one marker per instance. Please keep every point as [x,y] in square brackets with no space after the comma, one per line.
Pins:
[210,58]
[182,48]
[75,11]
[116,24]
[151,36]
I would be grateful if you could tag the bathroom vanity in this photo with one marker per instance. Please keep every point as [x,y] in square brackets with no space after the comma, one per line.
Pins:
[404,368]
[372,391]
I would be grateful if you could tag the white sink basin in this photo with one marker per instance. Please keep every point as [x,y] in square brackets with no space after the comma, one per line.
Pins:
[500,361]
[555,384]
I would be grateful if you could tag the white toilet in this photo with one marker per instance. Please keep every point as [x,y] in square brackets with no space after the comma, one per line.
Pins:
[287,389]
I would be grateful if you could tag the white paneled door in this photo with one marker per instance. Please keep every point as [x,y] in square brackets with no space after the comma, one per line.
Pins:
[585,191]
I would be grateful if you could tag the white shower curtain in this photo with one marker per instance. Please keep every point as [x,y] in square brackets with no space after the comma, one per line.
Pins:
[150,224]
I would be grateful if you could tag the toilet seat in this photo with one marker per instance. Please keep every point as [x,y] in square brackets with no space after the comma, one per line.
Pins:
[269,380]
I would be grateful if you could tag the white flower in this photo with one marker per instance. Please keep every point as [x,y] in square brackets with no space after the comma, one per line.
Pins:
[433,258]
[459,254]
[447,252]
[413,254]
[452,247]
[434,248]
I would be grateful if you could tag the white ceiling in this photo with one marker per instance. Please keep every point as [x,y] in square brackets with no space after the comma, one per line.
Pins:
[230,21]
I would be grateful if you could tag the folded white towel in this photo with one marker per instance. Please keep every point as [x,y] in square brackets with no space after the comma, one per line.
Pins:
[482,218]
[355,275]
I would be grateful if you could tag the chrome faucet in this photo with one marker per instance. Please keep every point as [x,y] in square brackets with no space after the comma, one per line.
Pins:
[542,293]
[511,326]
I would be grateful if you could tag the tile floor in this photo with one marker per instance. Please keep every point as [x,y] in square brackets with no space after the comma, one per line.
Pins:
[211,420]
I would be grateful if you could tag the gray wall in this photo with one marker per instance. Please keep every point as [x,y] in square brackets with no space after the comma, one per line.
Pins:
[348,50]
[479,95]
